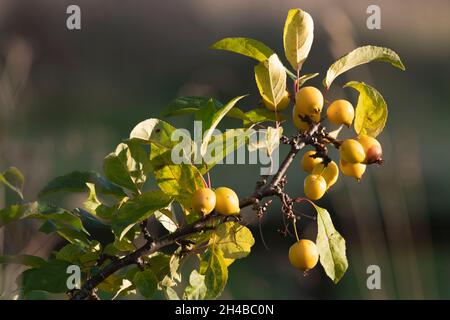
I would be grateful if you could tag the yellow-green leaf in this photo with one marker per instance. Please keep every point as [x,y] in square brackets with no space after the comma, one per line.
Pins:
[245,46]
[306,77]
[331,246]
[146,283]
[214,268]
[371,110]
[14,180]
[138,209]
[211,123]
[196,290]
[270,77]
[154,131]
[234,240]
[360,56]
[298,37]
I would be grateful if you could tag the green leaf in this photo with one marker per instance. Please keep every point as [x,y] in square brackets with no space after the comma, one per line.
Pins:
[176,180]
[237,114]
[24,259]
[167,218]
[92,203]
[245,46]
[259,115]
[136,160]
[83,256]
[138,209]
[331,246]
[17,212]
[116,170]
[146,283]
[154,131]
[13,179]
[174,265]
[196,290]
[159,262]
[126,243]
[221,145]
[50,277]
[270,78]
[306,77]
[298,37]
[210,124]
[214,268]
[233,239]
[65,223]
[115,286]
[76,182]
[171,294]
[186,105]
[371,110]
[361,56]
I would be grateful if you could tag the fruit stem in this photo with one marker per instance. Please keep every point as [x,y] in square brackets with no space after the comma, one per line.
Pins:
[295,228]
[209,180]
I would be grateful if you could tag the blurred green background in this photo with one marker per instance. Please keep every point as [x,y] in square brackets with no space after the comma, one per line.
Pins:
[68,97]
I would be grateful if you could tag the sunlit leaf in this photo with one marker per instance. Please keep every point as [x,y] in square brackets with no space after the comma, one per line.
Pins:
[361,56]
[245,46]
[221,146]
[13,179]
[371,110]
[331,246]
[154,131]
[306,77]
[298,37]
[214,268]
[186,105]
[259,115]
[270,77]
[210,124]
[233,239]
[116,171]
[196,290]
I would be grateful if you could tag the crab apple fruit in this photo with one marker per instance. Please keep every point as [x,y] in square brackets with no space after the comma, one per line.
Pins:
[309,101]
[341,112]
[355,170]
[301,124]
[227,201]
[372,149]
[352,151]
[284,103]
[330,172]
[303,255]
[308,162]
[203,201]
[314,186]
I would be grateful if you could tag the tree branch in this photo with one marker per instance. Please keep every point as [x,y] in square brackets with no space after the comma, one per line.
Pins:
[262,190]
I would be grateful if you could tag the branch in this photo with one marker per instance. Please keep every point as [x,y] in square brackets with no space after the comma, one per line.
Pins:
[262,190]
[146,249]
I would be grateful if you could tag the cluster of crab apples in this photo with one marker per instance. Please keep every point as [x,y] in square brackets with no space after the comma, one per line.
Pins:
[355,154]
